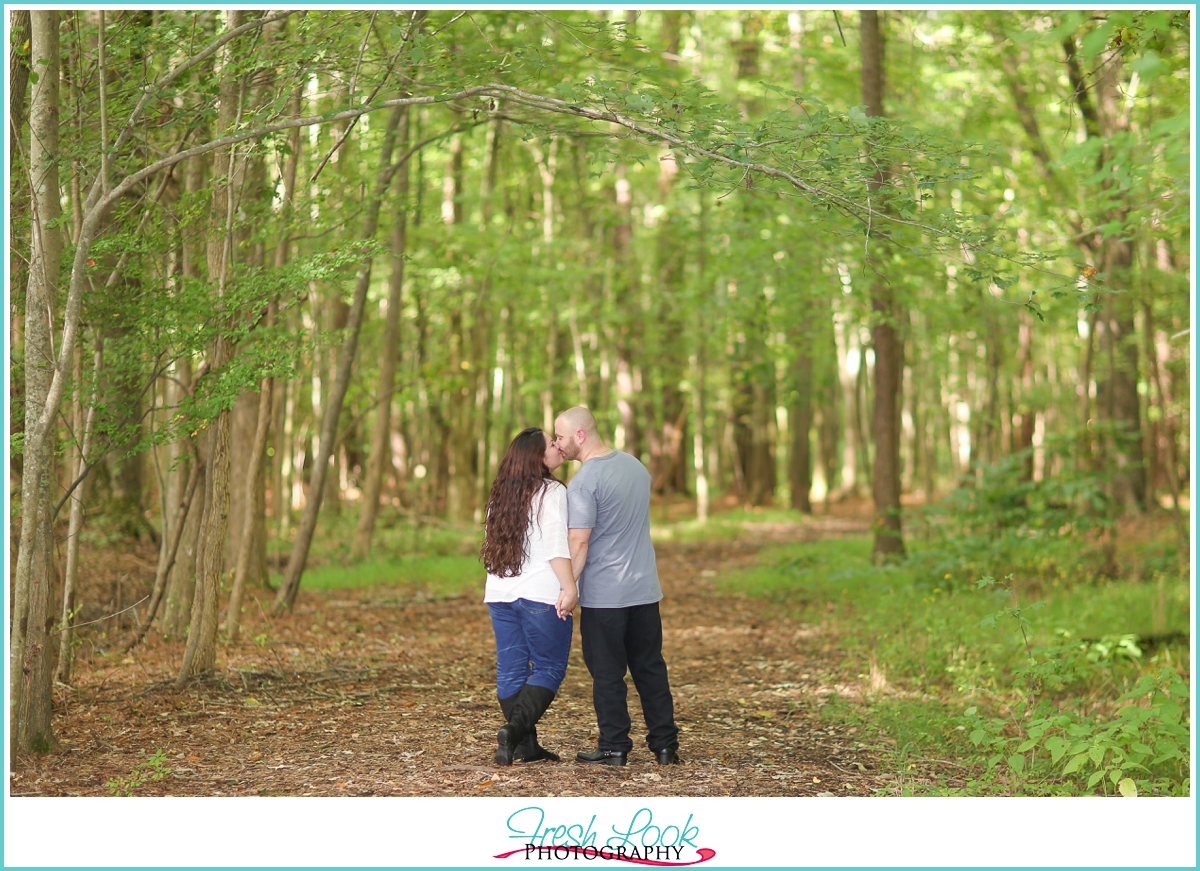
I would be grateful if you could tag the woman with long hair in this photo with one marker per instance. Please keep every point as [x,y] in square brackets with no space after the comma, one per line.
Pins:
[530,590]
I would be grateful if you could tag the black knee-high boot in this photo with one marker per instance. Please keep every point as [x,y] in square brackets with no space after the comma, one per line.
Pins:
[526,709]
[529,750]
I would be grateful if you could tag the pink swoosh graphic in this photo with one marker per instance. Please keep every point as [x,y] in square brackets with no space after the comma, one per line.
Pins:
[705,855]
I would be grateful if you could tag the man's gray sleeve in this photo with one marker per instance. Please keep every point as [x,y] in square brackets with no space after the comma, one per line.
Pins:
[581,508]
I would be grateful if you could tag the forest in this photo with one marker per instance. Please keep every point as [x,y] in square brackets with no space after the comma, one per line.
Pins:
[894,306]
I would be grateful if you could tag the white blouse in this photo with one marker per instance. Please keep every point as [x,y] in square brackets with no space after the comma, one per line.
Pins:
[545,539]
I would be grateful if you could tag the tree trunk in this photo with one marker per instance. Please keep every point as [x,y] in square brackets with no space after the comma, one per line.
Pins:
[85,419]
[381,443]
[252,507]
[201,652]
[628,327]
[30,650]
[889,349]
[800,423]
[1105,111]
[337,394]
[170,551]
[1116,384]
[181,578]
[18,90]
[1023,432]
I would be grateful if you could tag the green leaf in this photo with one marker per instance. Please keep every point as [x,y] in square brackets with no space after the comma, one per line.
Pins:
[1127,787]
[977,737]
[1095,778]
[1057,747]
[1075,764]
[1095,42]
[1149,66]
[33,77]
[1016,762]
[1096,753]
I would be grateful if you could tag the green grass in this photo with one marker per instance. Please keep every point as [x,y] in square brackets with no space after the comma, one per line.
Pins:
[926,636]
[433,559]
[432,575]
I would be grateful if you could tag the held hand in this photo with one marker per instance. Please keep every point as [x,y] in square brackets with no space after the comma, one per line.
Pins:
[567,600]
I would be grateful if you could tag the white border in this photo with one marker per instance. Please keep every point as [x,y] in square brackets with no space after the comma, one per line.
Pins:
[467,832]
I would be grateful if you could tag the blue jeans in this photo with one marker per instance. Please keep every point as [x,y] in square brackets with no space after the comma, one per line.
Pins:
[532,645]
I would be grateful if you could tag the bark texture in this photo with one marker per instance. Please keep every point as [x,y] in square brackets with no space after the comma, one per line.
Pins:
[30,648]
[889,348]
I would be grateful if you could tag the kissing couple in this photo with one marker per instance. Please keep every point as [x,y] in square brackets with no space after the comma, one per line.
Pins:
[548,547]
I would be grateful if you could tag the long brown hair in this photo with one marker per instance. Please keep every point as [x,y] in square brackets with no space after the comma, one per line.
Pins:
[521,475]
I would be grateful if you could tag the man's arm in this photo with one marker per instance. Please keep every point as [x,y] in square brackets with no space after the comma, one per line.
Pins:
[577,540]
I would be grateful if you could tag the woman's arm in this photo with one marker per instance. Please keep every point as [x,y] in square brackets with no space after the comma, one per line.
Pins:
[568,598]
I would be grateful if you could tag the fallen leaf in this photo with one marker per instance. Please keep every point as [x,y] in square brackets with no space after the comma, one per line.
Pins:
[484,785]
[254,757]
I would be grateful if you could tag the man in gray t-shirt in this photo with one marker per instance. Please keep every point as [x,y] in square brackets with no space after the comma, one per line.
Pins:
[608,520]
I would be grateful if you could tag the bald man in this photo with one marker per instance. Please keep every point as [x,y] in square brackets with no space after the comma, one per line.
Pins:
[608,530]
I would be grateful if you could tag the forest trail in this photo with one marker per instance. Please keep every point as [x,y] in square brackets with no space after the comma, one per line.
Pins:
[365,692]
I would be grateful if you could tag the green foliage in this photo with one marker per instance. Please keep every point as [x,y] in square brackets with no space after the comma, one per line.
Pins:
[1142,748]
[1000,517]
[152,769]
[985,674]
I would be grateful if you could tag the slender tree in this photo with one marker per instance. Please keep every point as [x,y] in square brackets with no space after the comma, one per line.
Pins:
[31,647]
[888,346]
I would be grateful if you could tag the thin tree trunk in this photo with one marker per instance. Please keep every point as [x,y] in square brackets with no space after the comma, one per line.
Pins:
[180,578]
[1086,459]
[170,552]
[1024,432]
[800,424]
[18,77]
[698,363]
[286,598]
[253,494]
[1168,435]
[84,426]
[201,652]
[30,647]
[381,443]
[889,349]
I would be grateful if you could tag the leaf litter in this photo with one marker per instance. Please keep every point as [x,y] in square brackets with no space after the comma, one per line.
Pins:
[375,692]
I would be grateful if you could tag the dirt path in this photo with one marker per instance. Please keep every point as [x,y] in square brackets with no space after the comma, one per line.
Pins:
[369,693]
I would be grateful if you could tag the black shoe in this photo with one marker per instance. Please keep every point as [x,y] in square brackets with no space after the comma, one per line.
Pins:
[603,757]
[527,708]
[506,745]
[529,750]
[667,757]
[539,754]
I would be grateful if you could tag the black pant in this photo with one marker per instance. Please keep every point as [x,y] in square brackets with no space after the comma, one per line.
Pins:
[616,639]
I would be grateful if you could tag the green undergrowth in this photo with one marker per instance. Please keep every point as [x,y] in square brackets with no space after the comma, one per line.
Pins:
[432,559]
[1018,685]
[434,575]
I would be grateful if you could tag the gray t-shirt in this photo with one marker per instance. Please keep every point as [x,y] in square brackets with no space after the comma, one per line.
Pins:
[611,496]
